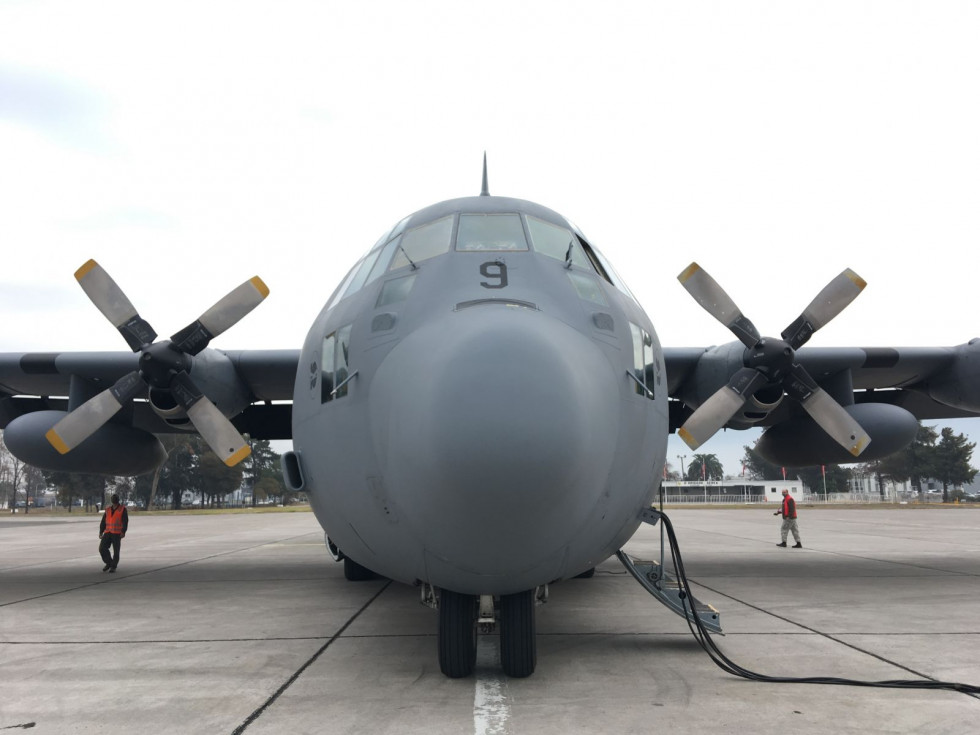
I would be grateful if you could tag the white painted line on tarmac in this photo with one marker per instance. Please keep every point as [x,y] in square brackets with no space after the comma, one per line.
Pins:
[491,710]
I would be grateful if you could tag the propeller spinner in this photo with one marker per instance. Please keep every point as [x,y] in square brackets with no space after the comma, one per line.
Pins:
[771,362]
[163,365]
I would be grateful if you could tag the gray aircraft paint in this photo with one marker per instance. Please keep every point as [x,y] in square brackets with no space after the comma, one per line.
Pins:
[489,442]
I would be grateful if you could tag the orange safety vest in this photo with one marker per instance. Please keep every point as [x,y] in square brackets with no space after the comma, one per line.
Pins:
[113,520]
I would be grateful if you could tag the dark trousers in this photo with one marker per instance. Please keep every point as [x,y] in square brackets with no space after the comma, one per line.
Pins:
[115,541]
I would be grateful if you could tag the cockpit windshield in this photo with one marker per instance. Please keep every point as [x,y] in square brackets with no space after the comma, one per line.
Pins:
[423,243]
[481,232]
[556,242]
[490,232]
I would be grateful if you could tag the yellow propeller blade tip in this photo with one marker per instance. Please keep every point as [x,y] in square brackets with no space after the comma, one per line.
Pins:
[238,456]
[688,272]
[57,442]
[856,279]
[688,438]
[260,286]
[859,447]
[84,270]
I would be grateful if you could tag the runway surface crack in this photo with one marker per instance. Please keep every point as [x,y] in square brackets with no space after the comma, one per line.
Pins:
[289,682]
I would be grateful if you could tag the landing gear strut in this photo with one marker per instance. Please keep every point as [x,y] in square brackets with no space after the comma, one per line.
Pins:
[457,633]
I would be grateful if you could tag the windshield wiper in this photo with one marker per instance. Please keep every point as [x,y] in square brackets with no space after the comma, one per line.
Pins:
[410,261]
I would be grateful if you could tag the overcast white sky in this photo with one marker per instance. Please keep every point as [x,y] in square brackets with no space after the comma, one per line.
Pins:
[188,146]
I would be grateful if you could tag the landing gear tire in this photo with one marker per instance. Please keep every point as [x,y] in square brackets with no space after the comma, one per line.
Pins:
[518,637]
[457,633]
[354,572]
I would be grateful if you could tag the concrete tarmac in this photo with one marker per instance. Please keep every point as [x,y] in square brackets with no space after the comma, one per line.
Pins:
[243,624]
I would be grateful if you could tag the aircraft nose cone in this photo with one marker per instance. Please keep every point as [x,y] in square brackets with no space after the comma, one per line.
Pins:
[496,428]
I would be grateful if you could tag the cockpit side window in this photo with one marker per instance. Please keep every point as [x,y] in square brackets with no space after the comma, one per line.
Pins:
[361,274]
[395,290]
[490,232]
[556,242]
[384,258]
[342,360]
[334,364]
[326,367]
[606,270]
[346,284]
[587,287]
[646,370]
[423,242]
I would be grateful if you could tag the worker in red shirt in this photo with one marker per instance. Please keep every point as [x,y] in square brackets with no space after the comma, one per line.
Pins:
[112,531]
[788,512]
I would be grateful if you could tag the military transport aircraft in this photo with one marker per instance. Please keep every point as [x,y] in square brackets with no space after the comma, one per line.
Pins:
[481,408]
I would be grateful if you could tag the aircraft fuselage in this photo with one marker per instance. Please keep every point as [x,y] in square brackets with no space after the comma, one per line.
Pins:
[481,405]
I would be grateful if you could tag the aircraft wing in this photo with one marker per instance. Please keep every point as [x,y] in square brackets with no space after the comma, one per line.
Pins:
[261,381]
[880,387]
[886,390]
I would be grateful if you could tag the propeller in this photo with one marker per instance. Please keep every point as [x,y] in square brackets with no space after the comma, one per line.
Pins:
[770,362]
[163,365]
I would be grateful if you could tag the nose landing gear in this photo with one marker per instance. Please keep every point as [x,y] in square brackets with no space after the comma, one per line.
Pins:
[462,616]
[518,641]
[457,633]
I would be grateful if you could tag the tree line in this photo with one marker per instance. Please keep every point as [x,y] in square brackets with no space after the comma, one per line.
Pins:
[190,467]
[942,456]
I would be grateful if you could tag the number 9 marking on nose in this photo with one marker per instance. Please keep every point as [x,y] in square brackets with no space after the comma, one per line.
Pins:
[494,270]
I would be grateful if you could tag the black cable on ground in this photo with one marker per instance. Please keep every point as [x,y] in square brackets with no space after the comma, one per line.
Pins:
[703,637]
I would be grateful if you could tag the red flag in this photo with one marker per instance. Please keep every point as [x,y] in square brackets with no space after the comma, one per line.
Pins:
[823,470]
[784,473]
[743,469]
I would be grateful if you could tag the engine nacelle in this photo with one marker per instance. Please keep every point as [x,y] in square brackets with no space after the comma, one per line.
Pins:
[715,366]
[214,373]
[112,450]
[800,442]
[758,407]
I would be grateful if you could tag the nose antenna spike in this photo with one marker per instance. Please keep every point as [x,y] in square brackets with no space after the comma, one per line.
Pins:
[486,187]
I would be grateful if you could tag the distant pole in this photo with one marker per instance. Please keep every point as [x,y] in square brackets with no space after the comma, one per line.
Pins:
[682,457]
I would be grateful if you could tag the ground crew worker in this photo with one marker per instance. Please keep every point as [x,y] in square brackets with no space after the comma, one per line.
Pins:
[112,531]
[788,512]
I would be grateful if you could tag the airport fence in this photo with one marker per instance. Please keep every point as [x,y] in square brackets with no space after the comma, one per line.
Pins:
[808,498]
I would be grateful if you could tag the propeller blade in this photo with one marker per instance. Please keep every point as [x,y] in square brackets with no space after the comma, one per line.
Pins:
[719,304]
[88,418]
[828,413]
[220,434]
[222,316]
[112,302]
[830,302]
[715,412]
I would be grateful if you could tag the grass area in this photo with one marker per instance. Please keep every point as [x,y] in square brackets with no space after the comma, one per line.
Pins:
[216,511]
